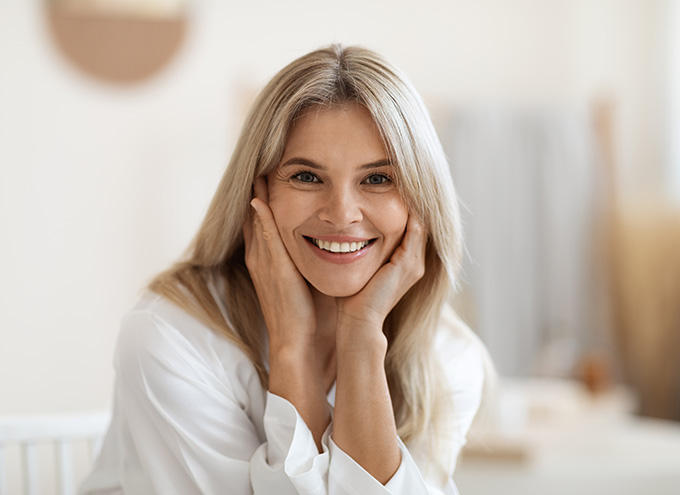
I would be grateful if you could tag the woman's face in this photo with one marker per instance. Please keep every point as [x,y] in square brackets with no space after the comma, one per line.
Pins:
[334,199]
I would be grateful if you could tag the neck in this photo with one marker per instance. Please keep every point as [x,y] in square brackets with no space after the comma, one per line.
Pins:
[326,322]
[326,317]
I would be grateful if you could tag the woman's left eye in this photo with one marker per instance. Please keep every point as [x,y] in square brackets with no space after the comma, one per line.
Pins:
[377,179]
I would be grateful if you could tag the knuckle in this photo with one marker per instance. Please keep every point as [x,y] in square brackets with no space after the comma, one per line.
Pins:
[249,265]
[250,258]
[417,271]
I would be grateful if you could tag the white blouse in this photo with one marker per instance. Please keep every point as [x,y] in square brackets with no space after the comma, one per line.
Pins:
[191,417]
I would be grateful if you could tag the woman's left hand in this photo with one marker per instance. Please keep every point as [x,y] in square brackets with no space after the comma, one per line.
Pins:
[364,425]
[370,306]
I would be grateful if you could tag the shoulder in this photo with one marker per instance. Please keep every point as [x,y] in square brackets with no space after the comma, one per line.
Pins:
[158,339]
[466,365]
[459,349]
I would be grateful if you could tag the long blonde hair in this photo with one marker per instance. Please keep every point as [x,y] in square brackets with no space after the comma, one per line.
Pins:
[327,77]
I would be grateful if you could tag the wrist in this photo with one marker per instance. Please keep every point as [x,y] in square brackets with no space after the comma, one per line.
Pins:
[362,338]
[291,368]
[290,345]
[289,354]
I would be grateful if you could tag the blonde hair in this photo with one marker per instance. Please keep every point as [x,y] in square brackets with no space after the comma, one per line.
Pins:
[328,77]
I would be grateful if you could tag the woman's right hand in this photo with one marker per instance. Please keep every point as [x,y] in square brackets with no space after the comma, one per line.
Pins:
[288,310]
[284,296]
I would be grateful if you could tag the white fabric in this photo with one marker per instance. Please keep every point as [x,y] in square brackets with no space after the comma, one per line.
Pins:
[191,417]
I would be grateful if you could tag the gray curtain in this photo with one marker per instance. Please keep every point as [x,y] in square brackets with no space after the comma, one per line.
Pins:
[528,183]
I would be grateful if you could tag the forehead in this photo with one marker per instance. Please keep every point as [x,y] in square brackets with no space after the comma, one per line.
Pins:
[341,131]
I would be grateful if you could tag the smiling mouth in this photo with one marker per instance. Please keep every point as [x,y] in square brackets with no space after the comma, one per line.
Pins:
[339,247]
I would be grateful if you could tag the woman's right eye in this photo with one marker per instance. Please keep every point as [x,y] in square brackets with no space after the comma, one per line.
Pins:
[307,177]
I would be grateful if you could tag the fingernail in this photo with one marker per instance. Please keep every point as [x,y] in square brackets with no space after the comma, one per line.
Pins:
[254,205]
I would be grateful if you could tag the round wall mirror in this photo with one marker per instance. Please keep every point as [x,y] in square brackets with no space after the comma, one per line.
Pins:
[118,41]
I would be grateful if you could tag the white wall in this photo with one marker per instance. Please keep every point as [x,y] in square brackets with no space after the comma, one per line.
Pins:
[672,141]
[101,187]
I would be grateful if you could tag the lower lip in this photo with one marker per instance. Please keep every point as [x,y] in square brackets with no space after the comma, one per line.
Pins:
[339,258]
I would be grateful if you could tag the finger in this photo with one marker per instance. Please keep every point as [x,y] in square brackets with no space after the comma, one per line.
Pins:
[409,257]
[416,237]
[260,192]
[416,245]
[413,241]
[252,227]
[265,226]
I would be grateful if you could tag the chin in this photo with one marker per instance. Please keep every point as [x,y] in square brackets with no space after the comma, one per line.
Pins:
[338,288]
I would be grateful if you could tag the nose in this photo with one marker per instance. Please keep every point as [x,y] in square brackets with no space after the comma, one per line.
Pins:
[342,207]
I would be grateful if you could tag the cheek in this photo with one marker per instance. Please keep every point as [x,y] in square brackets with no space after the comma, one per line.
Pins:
[288,210]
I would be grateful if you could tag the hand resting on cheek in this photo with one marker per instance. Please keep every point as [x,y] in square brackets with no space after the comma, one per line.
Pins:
[285,296]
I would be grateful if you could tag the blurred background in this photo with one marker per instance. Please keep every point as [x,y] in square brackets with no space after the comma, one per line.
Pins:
[561,120]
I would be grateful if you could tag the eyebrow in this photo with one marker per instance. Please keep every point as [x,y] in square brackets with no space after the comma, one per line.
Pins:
[309,163]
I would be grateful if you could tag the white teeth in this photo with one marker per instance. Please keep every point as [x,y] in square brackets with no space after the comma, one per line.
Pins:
[337,247]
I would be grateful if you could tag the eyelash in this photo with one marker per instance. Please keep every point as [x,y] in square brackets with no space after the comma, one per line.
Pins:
[296,176]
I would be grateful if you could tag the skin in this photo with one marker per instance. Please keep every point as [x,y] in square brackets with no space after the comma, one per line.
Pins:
[324,312]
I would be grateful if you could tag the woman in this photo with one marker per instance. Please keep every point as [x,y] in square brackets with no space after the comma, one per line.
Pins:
[304,345]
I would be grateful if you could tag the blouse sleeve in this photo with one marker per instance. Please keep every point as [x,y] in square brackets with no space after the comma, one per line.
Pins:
[193,434]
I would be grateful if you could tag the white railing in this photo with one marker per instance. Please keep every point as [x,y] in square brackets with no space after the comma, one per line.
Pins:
[28,436]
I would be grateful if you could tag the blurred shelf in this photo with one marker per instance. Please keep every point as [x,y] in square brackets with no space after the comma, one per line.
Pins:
[553,437]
